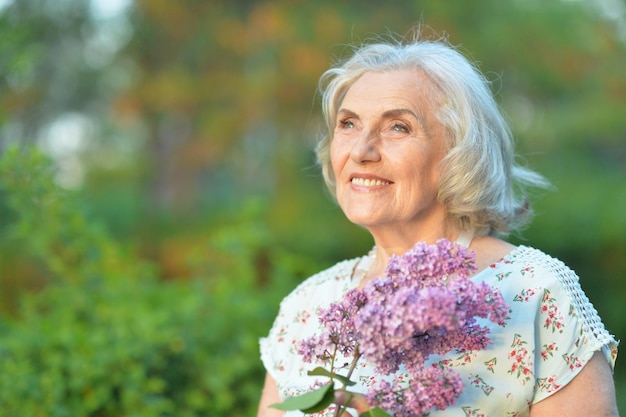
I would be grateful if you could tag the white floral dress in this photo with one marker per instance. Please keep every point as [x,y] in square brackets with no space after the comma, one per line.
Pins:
[552,333]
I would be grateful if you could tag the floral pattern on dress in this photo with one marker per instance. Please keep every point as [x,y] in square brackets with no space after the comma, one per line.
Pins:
[280,335]
[480,383]
[572,362]
[469,411]
[491,364]
[460,360]
[525,295]
[553,318]
[503,275]
[527,270]
[547,351]
[521,360]
[302,316]
[548,384]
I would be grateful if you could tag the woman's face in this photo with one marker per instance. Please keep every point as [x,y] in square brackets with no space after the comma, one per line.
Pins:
[385,153]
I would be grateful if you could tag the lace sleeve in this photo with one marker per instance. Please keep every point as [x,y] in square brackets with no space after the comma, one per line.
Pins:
[569,329]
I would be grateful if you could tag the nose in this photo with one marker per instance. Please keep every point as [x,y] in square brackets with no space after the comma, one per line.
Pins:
[366,148]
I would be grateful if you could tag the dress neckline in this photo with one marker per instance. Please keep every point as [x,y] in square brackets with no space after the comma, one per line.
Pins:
[363,263]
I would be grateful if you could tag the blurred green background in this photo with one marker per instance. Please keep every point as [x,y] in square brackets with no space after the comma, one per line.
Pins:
[159,195]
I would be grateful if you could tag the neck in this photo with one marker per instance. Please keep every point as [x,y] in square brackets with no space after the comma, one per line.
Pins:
[396,244]
[399,240]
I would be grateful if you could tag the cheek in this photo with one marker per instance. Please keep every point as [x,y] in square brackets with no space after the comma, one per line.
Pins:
[421,176]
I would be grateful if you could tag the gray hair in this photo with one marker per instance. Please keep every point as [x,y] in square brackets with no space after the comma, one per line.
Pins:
[480,184]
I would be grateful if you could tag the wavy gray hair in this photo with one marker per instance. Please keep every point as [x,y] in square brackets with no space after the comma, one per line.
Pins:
[481,185]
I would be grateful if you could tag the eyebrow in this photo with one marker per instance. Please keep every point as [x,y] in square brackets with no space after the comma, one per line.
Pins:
[400,112]
[386,114]
[347,112]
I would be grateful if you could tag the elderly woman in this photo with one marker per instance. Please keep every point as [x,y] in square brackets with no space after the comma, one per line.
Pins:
[416,150]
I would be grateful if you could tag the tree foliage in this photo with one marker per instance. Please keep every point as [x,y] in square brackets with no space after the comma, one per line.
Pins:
[104,337]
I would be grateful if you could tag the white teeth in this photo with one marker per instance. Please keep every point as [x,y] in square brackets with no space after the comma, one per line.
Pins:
[368,182]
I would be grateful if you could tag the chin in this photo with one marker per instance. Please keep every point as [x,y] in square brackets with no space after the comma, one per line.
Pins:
[362,221]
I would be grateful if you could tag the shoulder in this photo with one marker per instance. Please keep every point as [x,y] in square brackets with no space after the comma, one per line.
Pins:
[539,258]
[534,263]
[550,272]
[529,269]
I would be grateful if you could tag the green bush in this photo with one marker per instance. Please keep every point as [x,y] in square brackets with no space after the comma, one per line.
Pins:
[106,337]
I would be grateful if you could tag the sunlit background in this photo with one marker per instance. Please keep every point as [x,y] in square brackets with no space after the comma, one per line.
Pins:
[177,199]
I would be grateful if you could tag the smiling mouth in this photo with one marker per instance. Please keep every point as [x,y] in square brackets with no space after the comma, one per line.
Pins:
[366,182]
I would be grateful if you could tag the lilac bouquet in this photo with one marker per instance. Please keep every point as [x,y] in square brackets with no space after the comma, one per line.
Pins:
[424,305]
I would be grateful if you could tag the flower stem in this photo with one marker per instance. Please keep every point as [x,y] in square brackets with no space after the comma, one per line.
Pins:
[355,358]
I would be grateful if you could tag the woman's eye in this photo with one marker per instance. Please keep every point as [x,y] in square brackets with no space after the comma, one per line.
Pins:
[398,127]
[346,124]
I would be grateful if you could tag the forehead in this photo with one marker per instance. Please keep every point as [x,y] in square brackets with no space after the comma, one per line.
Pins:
[390,89]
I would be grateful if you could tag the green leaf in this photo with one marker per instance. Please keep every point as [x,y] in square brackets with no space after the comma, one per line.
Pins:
[327,400]
[375,412]
[308,400]
[319,371]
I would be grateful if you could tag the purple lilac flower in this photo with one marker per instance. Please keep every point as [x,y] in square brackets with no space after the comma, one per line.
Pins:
[318,348]
[425,304]
[426,389]
[426,262]
[391,326]
[338,330]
